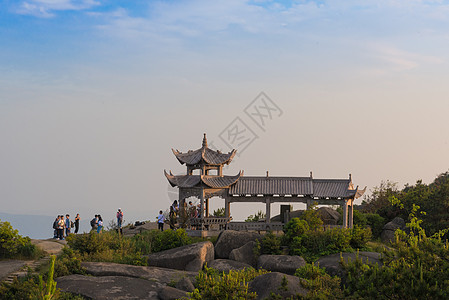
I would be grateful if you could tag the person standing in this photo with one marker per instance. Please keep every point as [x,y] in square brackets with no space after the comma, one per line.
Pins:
[55,227]
[61,225]
[93,222]
[160,221]
[67,225]
[119,220]
[77,223]
[99,224]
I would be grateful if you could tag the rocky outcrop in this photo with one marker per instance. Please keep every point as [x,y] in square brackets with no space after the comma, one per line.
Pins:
[185,284]
[245,254]
[189,258]
[170,293]
[280,263]
[225,265]
[275,283]
[109,287]
[154,274]
[332,262]
[387,234]
[229,240]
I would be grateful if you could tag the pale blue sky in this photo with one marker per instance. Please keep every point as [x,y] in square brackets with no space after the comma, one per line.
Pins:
[94,94]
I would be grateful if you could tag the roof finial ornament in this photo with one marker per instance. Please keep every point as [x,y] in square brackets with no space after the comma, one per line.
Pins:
[350,177]
[267,173]
[204,141]
[311,174]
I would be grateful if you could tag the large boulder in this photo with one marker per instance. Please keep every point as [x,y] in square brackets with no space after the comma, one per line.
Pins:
[245,254]
[189,257]
[275,283]
[226,265]
[280,263]
[109,287]
[171,293]
[387,234]
[229,240]
[332,262]
[185,284]
[154,274]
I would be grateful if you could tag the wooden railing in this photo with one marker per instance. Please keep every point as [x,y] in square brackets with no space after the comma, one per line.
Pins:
[255,226]
[209,223]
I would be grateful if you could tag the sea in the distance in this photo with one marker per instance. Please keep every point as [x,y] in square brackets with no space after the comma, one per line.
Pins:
[36,226]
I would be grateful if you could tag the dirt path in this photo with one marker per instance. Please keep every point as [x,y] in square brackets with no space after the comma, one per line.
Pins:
[10,269]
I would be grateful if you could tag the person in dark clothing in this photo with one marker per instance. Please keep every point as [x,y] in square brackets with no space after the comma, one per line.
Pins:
[77,223]
[94,222]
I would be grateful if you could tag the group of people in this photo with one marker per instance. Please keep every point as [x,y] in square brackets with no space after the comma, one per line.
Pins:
[193,211]
[62,227]
[97,222]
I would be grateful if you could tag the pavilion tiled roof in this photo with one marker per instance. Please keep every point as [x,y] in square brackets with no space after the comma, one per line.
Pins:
[305,186]
[206,154]
[189,181]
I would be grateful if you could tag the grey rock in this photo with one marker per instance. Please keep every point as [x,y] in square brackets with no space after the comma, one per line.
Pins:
[154,274]
[109,287]
[229,240]
[280,263]
[170,293]
[245,254]
[185,284]
[332,262]
[263,285]
[225,265]
[189,258]
[387,234]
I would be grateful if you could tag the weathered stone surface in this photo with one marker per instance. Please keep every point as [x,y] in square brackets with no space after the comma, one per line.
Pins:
[387,234]
[128,231]
[263,285]
[109,287]
[280,263]
[10,266]
[225,265]
[160,275]
[229,240]
[245,254]
[185,284]
[189,258]
[332,262]
[170,293]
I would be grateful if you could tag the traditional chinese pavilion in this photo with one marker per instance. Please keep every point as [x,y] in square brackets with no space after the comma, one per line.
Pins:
[204,179]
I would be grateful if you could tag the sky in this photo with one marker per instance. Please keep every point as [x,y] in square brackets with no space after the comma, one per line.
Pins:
[94,94]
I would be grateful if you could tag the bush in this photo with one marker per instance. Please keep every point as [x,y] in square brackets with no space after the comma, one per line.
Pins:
[234,285]
[155,241]
[360,236]
[319,284]
[376,222]
[68,262]
[13,245]
[271,244]
[295,227]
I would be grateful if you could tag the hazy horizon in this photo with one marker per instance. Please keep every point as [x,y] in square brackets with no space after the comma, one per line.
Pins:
[94,94]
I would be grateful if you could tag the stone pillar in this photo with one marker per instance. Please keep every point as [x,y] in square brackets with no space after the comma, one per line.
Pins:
[345,214]
[268,210]
[207,207]
[227,208]
[351,214]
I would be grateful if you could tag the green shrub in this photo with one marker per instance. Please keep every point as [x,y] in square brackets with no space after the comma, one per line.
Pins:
[234,285]
[13,245]
[155,241]
[295,227]
[314,244]
[313,219]
[271,244]
[319,284]
[256,217]
[360,236]
[68,262]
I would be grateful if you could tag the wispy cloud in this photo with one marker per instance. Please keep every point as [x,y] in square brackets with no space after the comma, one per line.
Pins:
[47,8]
